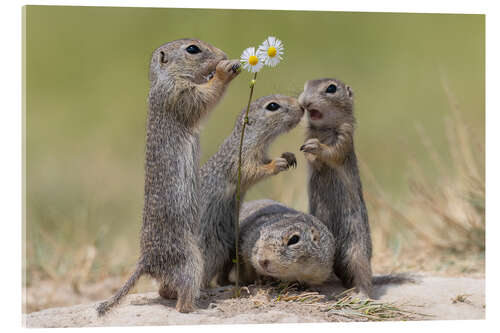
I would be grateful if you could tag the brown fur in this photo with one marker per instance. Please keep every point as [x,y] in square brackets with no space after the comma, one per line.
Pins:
[266,229]
[185,86]
[335,191]
[220,175]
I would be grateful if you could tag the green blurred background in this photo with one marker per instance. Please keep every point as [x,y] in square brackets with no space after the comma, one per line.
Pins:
[87,82]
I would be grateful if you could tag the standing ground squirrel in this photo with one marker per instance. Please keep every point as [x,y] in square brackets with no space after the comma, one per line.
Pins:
[335,193]
[187,78]
[281,242]
[269,117]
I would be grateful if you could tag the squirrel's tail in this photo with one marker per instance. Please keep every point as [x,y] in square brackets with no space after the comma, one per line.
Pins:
[108,304]
[399,278]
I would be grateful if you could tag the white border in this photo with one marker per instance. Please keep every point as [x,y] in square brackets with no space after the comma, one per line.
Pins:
[422,6]
[10,142]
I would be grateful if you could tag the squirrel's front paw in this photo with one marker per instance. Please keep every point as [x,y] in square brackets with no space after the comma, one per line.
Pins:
[290,157]
[280,164]
[311,146]
[227,70]
[284,162]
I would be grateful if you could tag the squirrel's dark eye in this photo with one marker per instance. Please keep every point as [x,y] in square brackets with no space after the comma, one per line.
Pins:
[293,240]
[272,106]
[331,89]
[193,49]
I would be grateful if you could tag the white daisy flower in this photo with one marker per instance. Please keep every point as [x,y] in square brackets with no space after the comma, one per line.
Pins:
[271,51]
[251,62]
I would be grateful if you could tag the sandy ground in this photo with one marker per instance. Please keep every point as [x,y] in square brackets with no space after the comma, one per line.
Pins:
[427,299]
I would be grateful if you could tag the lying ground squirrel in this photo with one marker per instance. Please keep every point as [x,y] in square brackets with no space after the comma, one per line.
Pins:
[281,242]
[269,117]
[288,245]
[335,193]
[188,77]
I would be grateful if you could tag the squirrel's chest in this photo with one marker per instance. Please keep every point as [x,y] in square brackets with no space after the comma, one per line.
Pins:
[175,157]
[191,149]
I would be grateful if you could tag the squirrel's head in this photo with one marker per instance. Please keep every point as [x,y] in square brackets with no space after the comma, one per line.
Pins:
[269,117]
[327,102]
[294,248]
[185,59]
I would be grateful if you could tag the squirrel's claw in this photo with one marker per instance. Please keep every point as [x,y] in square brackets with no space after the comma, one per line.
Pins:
[290,158]
[311,146]
[236,68]
[227,69]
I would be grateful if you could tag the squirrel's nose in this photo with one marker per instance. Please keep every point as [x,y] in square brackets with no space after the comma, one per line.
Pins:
[303,101]
[264,263]
[305,105]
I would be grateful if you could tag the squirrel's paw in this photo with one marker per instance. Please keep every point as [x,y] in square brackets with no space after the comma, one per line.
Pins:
[227,70]
[290,157]
[311,146]
[281,164]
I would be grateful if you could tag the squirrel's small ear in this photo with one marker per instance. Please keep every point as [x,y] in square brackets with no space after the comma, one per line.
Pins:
[350,93]
[163,57]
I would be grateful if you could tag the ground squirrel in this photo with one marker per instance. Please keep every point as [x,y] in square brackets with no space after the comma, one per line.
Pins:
[269,117]
[187,78]
[288,245]
[335,193]
[281,242]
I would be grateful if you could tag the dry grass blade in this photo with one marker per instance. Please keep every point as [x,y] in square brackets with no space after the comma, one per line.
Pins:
[288,292]
[461,299]
[446,208]
[310,297]
[356,308]
[81,272]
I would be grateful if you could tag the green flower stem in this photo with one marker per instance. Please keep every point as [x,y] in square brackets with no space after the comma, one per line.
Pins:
[238,189]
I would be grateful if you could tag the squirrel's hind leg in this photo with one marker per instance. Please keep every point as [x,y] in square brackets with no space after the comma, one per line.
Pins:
[167,292]
[189,280]
[186,295]
[354,270]
[223,275]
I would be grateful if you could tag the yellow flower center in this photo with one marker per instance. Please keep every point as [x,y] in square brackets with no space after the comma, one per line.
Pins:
[253,60]
[271,51]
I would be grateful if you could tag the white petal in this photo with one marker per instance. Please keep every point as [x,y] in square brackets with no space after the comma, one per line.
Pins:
[274,61]
[257,67]
[262,53]
[247,67]
[247,53]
